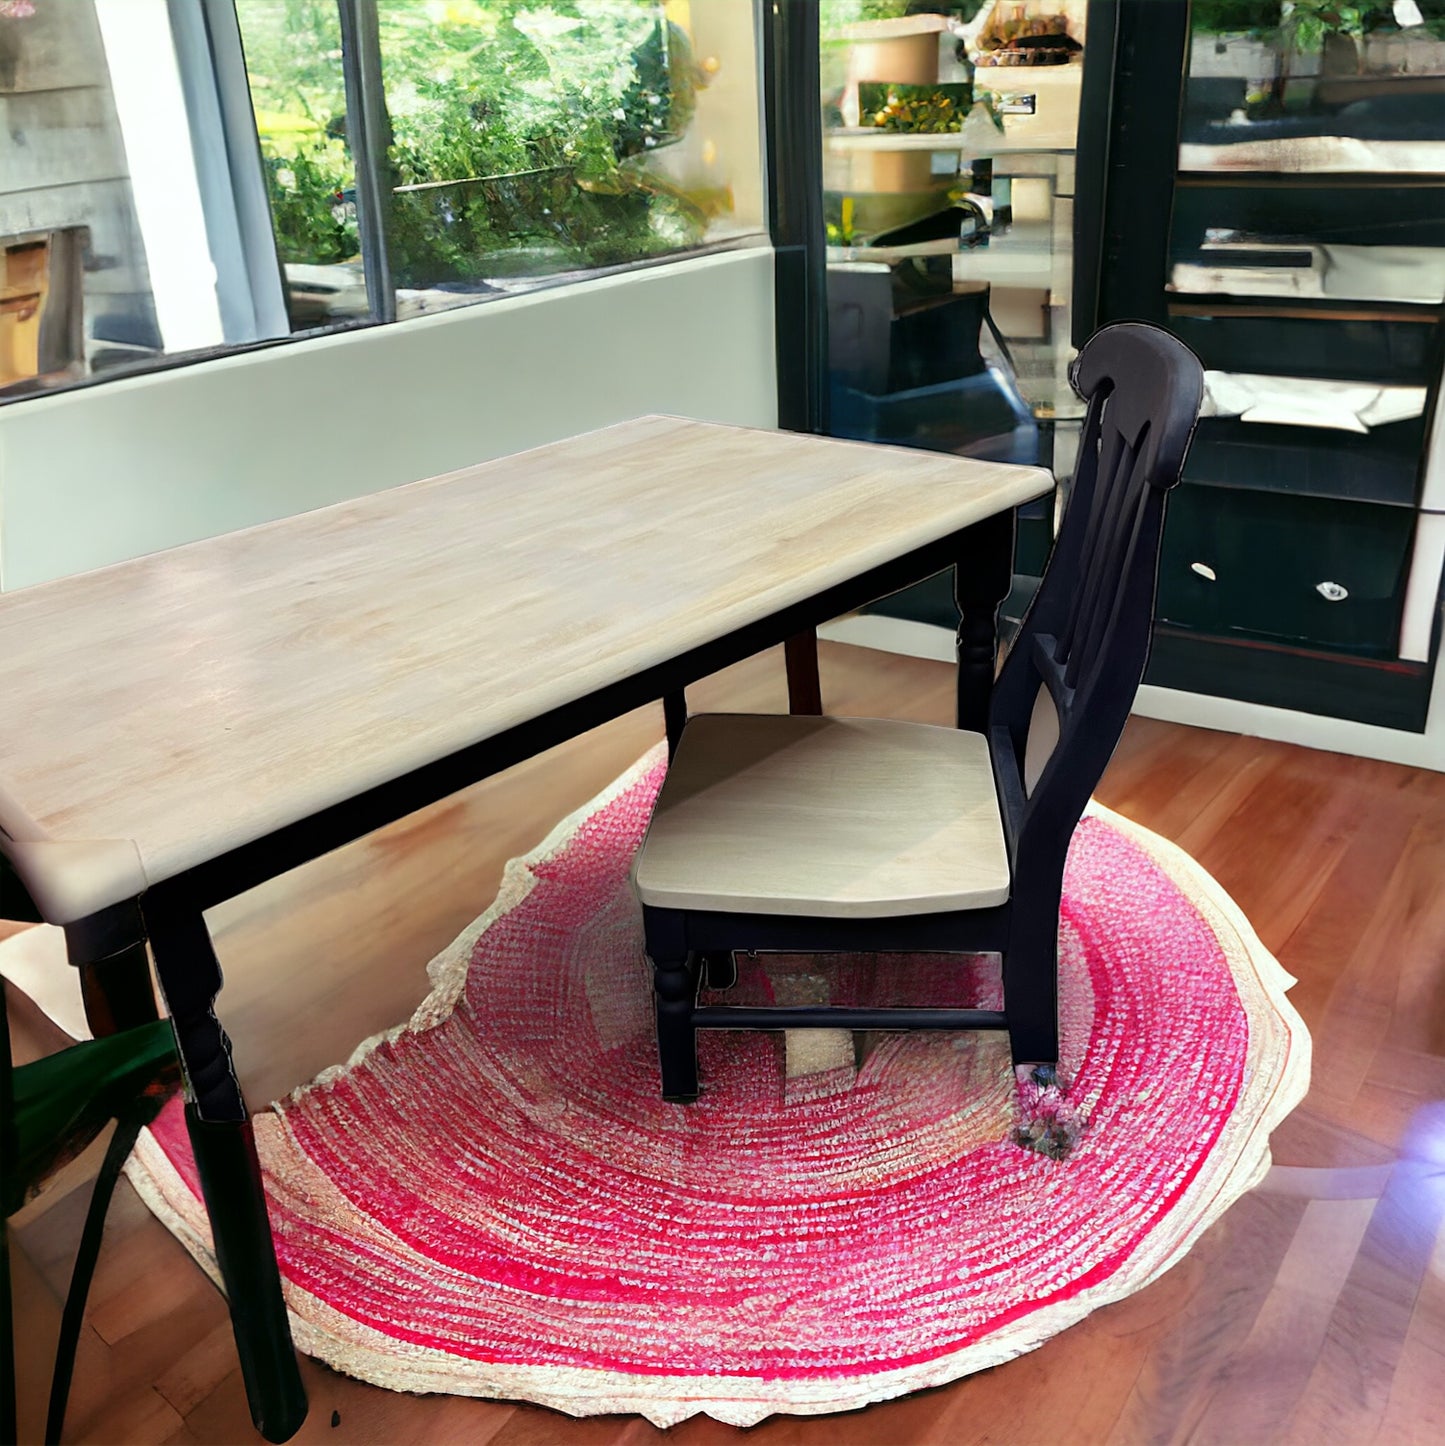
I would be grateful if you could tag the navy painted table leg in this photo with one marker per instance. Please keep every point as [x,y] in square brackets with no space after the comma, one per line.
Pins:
[674,715]
[981,582]
[109,951]
[800,657]
[230,1174]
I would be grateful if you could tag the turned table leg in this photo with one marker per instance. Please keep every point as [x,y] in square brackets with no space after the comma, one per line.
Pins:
[230,1173]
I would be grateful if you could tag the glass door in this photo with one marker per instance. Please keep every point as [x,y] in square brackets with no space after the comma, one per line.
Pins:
[948,177]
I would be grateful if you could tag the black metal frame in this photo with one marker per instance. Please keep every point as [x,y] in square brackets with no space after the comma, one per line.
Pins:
[72,1318]
[793,138]
[1128,128]
[1085,640]
[793,150]
[110,948]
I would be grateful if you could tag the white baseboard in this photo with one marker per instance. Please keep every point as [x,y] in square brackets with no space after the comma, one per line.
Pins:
[1197,710]
[892,635]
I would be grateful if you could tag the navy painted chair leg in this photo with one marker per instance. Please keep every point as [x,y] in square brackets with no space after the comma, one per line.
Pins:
[675,983]
[981,582]
[674,717]
[1031,1001]
[800,659]
[230,1173]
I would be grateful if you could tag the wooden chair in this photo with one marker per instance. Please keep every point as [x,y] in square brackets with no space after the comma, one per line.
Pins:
[50,1110]
[818,835]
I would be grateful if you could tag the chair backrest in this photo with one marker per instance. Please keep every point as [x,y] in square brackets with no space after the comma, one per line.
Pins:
[1069,681]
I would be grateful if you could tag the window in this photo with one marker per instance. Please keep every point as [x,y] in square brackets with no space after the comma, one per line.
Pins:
[198,177]
[115,252]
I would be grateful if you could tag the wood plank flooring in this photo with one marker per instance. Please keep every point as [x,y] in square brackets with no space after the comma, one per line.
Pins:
[1312,1312]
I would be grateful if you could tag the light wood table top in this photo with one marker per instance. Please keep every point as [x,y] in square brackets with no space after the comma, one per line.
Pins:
[164,711]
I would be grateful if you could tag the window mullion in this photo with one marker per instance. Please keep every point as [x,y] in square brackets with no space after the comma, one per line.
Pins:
[233,188]
[367,135]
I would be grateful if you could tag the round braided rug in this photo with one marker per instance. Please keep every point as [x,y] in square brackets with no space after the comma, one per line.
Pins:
[493,1200]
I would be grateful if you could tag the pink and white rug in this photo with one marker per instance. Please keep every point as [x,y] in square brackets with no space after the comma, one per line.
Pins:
[493,1200]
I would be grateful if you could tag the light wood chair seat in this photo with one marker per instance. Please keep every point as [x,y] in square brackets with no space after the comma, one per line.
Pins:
[825,817]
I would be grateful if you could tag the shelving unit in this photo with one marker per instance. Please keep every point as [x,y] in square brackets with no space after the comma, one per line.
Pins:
[1302,562]
[1028,264]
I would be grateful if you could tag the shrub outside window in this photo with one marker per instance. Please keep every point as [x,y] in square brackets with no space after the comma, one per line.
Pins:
[520,142]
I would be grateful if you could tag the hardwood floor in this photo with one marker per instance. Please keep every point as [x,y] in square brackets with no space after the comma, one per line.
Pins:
[1312,1312]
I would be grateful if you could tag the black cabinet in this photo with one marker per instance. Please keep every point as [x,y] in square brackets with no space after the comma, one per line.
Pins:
[1289,226]
[1301,570]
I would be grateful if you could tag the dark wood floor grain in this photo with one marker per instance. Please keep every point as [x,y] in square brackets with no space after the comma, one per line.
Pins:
[1312,1312]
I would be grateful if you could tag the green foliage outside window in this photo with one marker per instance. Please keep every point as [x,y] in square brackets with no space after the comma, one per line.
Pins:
[522,134]
[1235,17]
[293,62]
[1304,24]
[1340,33]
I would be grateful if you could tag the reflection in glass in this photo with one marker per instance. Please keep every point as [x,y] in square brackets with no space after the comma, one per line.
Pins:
[948,181]
[527,141]
[113,253]
[1354,94]
[1312,85]
[948,173]
[298,95]
[532,141]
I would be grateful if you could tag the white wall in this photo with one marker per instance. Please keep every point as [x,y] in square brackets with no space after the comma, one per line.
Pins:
[104,473]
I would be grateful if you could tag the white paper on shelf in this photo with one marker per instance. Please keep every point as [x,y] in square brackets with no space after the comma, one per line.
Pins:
[1353,273]
[1297,414]
[1201,280]
[1320,154]
[1227,395]
[1308,401]
[1393,404]
[1385,273]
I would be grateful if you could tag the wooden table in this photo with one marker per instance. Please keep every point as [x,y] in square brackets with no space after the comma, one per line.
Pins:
[183,727]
